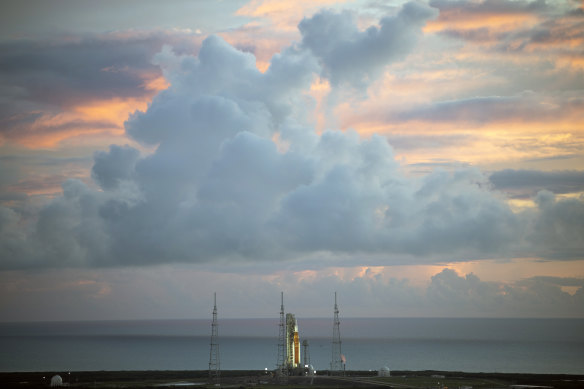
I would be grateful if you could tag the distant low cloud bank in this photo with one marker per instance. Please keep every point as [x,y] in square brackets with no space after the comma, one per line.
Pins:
[240,174]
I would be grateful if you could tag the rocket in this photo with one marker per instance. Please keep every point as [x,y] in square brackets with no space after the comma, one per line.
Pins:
[292,341]
[296,345]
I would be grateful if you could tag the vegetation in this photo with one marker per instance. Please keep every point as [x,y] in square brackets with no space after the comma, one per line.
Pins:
[265,380]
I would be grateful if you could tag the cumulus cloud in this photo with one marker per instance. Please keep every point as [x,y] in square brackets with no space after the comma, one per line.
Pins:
[559,226]
[536,297]
[110,168]
[351,56]
[96,294]
[239,173]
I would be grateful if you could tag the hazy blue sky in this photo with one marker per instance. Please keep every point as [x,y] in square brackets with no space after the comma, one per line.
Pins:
[419,158]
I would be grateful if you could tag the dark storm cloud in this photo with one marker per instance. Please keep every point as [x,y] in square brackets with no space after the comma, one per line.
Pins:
[239,174]
[526,183]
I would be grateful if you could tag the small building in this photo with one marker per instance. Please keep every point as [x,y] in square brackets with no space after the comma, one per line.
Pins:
[384,372]
[56,380]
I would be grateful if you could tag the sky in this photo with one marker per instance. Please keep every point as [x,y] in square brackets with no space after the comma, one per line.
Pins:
[419,158]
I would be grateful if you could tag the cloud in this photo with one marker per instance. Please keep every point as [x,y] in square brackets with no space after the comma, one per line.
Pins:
[465,15]
[354,57]
[62,72]
[51,88]
[558,227]
[552,31]
[536,297]
[238,173]
[524,107]
[114,166]
[161,292]
[526,183]
[412,142]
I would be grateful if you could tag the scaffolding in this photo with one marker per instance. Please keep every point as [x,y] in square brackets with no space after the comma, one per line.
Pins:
[214,361]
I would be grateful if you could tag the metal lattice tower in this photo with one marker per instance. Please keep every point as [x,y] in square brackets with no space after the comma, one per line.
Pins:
[281,363]
[282,368]
[214,362]
[305,352]
[337,356]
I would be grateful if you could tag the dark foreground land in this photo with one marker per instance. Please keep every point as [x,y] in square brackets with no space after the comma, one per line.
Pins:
[265,380]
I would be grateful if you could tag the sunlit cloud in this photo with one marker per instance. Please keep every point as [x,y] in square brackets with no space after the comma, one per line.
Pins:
[283,15]
[425,159]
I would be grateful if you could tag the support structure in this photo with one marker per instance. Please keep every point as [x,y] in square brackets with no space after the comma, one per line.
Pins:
[337,359]
[305,353]
[281,367]
[214,360]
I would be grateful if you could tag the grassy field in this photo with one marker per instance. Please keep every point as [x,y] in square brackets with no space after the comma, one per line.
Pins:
[261,379]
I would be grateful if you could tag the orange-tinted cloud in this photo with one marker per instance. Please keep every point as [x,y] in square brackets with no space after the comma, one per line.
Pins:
[498,15]
[273,28]
[93,118]
[285,15]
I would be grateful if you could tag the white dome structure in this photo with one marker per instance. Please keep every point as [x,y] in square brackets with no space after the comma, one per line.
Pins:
[384,372]
[56,381]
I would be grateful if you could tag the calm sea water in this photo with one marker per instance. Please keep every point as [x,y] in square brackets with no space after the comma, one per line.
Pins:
[471,345]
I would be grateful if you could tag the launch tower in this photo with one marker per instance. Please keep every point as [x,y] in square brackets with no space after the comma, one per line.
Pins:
[282,337]
[337,356]
[214,363]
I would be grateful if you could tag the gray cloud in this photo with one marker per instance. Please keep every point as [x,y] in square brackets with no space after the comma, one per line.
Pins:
[489,109]
[239,174]
[489,7]
[559,227]
[356,57]
[57,72]
[553,32]
[114,166]
[526,183]
[529,298]
[558,281]
[45,76]
[413,142]
[106,293]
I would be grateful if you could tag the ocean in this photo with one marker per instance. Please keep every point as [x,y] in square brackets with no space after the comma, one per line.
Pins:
[469,345]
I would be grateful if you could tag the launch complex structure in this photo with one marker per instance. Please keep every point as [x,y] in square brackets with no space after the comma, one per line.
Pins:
[289,356]
[289,346]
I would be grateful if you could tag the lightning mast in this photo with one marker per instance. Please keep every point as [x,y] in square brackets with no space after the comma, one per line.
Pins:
[281,363]
[337,356]
[214,362]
